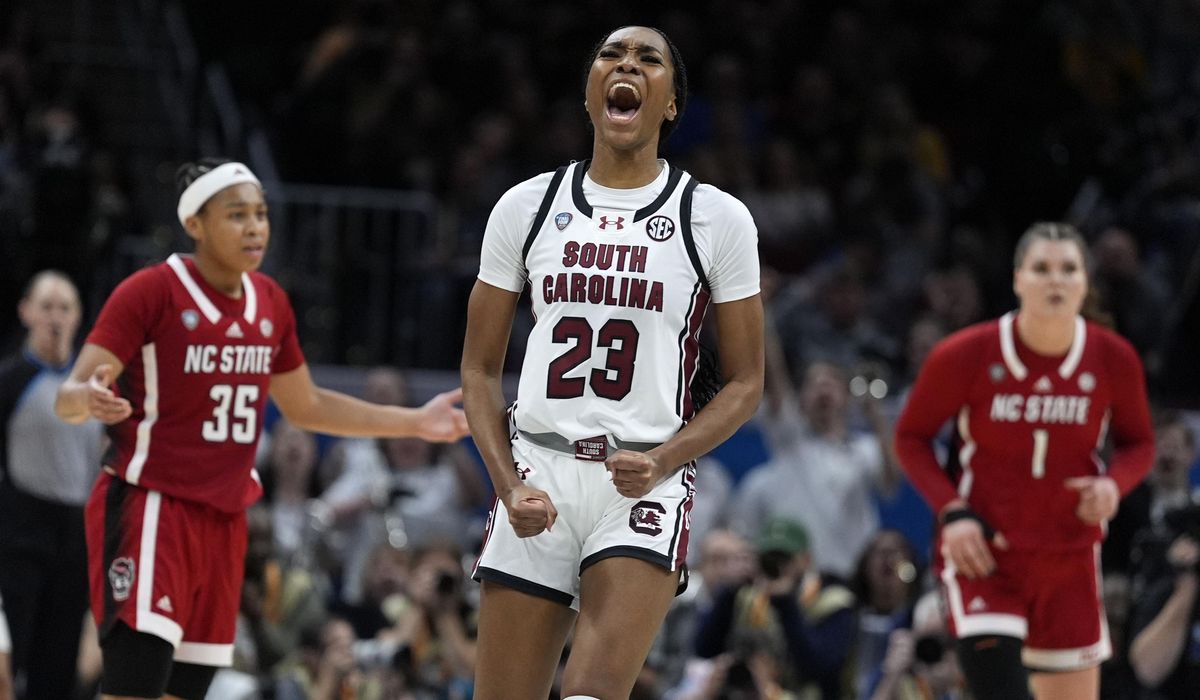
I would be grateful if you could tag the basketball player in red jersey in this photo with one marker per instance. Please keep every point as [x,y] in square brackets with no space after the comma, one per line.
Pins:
[179,365]
[1033,394]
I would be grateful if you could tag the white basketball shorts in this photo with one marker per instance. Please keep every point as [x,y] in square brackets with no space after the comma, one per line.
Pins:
[594,523]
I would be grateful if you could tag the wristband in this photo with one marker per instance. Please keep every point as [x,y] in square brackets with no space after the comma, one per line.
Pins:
[968,514]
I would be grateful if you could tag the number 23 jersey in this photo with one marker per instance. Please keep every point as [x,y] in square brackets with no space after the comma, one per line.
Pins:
[198,368]
[1026,423]
[620,281]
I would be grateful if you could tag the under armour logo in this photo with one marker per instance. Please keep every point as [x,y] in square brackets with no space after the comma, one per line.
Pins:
[605,222]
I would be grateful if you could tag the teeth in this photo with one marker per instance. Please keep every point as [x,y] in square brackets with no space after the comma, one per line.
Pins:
[623,83]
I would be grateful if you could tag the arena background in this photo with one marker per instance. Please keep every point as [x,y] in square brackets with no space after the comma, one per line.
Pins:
[891,152]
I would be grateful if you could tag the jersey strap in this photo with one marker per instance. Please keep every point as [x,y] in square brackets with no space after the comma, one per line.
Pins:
[543,210]
[689,242]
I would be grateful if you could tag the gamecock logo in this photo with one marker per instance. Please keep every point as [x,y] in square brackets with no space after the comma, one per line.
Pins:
[646,517]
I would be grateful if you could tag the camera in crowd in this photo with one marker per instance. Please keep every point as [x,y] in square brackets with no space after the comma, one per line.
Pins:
[930,649]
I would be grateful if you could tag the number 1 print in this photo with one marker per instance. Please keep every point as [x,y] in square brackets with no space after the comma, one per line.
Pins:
[1041,440]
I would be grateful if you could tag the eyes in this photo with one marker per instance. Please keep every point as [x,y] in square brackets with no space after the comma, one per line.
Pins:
[241,215]
[1041,267]
[646,57]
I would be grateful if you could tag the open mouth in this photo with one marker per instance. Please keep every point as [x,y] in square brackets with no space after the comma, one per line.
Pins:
[623,102]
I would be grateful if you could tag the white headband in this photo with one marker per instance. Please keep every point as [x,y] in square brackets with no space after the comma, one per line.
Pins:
[204,187]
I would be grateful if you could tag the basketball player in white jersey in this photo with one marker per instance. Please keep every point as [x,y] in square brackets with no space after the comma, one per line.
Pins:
[593,465]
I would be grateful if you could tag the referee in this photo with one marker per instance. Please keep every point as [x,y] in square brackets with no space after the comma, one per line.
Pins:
[46,472]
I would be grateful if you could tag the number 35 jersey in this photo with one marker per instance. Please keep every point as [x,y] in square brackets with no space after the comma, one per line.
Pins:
[198,368]
[619,281]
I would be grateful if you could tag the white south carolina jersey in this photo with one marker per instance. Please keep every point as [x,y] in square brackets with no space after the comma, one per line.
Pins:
[620,281]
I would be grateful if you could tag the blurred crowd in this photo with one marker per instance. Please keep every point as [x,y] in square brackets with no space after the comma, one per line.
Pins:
[890,153]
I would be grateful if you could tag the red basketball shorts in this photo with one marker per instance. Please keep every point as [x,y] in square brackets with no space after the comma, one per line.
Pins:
[167,567]
[1051,600]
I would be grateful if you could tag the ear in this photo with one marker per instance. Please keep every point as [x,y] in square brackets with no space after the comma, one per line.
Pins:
[194,228]
[672,110]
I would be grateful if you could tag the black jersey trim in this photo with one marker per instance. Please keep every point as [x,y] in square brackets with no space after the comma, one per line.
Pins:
[685,216]
[543,210]
[526,586]
[646,555]
[581,202]
[672,183]
[115,495]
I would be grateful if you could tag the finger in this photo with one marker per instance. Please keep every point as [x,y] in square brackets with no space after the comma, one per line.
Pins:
[1000,541]
[103,374]
[452,396]
[1078,483]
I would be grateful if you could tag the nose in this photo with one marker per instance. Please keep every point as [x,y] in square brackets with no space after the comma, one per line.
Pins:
[628,64]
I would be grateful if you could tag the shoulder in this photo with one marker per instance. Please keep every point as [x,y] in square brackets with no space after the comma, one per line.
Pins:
[525,195]
[151,277]
[268,286]
[146,289]
[1115,348]
[714,206]
[968,342]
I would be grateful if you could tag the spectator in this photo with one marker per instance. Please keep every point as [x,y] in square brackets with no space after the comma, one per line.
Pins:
[725,560]
[279,601]
[47,468]
[1166,618]
[288,481]
[325,668]
[921,663]
[886,585]
[820,473]
[788,619]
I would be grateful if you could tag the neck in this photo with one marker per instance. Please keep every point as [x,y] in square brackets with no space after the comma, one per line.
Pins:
[221,278]
[624,169]
[1046,336]
[55,355]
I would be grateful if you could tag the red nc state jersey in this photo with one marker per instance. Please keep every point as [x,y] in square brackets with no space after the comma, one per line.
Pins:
[1026,423]
[198,368]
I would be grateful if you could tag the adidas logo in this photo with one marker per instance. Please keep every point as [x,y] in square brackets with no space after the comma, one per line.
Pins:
[164,604]
[1043,385]
[235,331]
[977,604]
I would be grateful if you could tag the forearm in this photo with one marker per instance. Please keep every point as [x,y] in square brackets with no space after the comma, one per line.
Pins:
[483,401]
[730,408]
[915,452]
[335,413]
[1157,649]
[887,447]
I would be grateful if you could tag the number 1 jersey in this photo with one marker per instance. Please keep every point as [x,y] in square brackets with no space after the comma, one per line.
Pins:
[620,280]
[1026,423]
[198,368]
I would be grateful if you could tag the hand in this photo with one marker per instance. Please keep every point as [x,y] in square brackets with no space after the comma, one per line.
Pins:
[1098,498]
[1184,554]
[964,546]
[901,651]
[102,403]
[529,510]
[441,420]
[634,474]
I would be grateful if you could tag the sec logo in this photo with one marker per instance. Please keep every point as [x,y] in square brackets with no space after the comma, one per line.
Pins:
[660,228]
